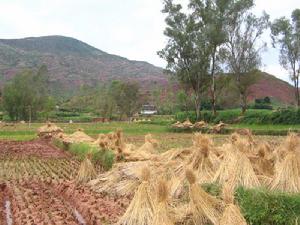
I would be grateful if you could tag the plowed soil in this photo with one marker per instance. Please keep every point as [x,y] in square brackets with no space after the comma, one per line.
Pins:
[38,148]
[38,180]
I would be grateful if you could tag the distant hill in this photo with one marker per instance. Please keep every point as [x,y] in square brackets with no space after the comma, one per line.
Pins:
[72,63]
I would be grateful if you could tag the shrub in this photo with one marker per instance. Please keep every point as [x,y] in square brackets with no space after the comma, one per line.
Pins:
[261,207]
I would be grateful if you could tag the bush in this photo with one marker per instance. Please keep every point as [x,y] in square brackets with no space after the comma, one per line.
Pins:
[252,116]
[261,207]
[105,158]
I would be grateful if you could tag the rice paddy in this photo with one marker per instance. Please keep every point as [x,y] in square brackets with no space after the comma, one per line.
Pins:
[155,179]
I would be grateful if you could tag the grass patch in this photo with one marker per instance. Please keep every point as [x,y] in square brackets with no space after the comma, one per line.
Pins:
[105,158]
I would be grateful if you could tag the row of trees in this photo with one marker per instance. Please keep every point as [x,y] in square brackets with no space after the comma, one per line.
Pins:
[214,37]
[118,99]
[26,94]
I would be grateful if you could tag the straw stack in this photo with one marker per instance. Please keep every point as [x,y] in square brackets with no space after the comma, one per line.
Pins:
[141,208]
[203,205]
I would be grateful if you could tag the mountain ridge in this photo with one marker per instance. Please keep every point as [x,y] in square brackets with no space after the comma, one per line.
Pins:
[72,63]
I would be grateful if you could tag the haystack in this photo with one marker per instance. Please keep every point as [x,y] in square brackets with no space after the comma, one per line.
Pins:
[149,145]
[78,137]
[200,124]
[203,160]
[178,124]
[232,214]
[122,179]
[236,163]
[287,174]
[287,166]
[219,127]
[49,130]
[161,212]
[203,205]
[262,164]
[187,124]
[141,208]
[86,171]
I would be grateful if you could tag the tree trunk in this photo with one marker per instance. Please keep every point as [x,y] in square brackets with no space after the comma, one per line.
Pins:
[297,95]
[197,106]
[213,86]
[243,99]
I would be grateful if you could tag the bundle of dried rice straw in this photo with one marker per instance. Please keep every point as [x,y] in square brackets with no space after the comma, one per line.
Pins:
[78,137]
[141,209]
[232,214]
[49,130]
[236,163]
[287,170]
[123,179]
[203,205]
[86,171]
[161,211]
[187,124]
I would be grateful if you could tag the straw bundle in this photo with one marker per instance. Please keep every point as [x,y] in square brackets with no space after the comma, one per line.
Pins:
[202,204]
[49,130]
[291,144]
[232,215]
[161,212]
[149,145]
[200,124]
[78,137]
[141,208]
[123,179]
[262,164]
[86,171]
[236,163]
[177,125]
[287,174]
[219,127]
[187,123]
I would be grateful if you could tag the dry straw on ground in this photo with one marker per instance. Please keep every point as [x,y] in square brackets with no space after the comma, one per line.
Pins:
[141,208]
[161,211]
[203,205]
[287,168]
[86,171]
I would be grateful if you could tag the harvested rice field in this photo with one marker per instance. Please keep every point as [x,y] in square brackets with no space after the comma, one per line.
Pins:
[138,179]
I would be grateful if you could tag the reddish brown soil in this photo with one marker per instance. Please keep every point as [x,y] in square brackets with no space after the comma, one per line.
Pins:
[2,199]
[35,202]
[94,207]
[37,148]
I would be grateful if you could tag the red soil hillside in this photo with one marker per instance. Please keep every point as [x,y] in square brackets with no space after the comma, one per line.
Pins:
[269,85]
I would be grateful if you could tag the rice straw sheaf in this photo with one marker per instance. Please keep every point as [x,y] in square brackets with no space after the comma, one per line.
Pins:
[141,209]
[203,205]
[287,174]
[78,137]
[49,130]
[287,166]
[236,163]
[187,123]
[86,171]
[122,180]
[161,211]
[290,144]
[149,145]
[263,165]
[232,214]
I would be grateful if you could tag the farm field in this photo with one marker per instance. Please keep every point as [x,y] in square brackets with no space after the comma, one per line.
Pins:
[38,180]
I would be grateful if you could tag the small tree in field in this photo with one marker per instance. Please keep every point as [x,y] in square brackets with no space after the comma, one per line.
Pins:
[242,51]
[286,34]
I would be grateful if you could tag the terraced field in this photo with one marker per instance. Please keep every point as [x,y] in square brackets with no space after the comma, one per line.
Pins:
[36,187]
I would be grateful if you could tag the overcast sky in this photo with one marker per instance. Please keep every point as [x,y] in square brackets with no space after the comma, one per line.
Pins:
[129,28]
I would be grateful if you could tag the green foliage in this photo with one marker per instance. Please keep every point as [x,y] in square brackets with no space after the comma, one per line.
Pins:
[281,116]
[26,94]
[105,158]
[261,207]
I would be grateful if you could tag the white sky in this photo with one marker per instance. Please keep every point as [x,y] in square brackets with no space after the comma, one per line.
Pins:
[129,28]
